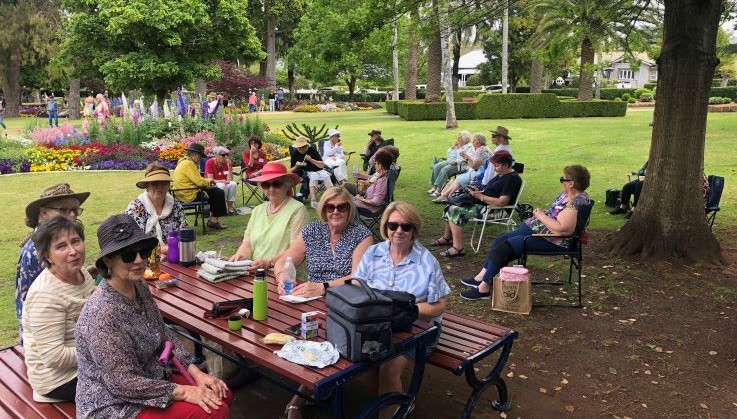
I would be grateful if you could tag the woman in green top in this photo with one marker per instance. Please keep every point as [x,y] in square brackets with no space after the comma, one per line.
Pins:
[275,223]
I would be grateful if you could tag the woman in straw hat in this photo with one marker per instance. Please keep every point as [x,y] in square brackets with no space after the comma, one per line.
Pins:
[155,210]
[51,309]
[187,177]
[120,334]
[307,163]
[54,200]
[275,223]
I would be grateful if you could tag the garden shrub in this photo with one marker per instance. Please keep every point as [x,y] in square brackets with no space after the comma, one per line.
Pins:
[459,95]
[641,91]
[626,97]
[517,105]
[631,100]
[307,108]
[593,108]
[646,97]
[617,99]
[650,86]
[730,92]
[391,106]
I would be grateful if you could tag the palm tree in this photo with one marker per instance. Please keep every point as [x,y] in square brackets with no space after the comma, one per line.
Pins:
[592,25]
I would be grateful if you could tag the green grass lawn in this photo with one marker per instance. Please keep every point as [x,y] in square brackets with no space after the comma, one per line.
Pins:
[609,147]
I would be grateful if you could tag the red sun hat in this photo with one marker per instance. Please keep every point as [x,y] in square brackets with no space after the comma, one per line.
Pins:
[274,170]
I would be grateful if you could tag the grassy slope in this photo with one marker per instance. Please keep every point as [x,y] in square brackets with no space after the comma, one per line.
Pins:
[609,147]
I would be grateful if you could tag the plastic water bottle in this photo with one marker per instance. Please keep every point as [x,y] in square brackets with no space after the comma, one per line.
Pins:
[172,242]
[260,300]
[288,275]
[355,172]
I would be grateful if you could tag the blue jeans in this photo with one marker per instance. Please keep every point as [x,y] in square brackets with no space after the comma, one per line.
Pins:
[2,121]
[54,116]
[514,239]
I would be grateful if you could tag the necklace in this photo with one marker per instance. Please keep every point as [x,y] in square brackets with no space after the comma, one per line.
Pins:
[271,210]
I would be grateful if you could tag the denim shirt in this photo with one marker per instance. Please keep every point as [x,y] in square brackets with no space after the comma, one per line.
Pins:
[29,268]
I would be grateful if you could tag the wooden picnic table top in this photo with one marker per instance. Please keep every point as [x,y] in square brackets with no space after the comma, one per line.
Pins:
[186,303]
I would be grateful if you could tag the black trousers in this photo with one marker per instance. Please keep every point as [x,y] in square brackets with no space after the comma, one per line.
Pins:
[66,391]
[631,189]
[216,199]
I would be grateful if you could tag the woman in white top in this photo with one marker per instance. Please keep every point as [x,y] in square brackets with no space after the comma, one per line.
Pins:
[52,307]
[333,156]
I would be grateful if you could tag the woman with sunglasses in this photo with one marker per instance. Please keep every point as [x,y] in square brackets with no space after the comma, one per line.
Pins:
[401,263]
[559,219]
[274,224]
[155,210]
[120,336]
[331,247]
[220,169]
[51,309]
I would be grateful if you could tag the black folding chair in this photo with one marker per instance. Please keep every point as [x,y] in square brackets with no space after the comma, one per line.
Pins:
[199,207]
[574,252]
[367,166]
[371,219]
[716,186]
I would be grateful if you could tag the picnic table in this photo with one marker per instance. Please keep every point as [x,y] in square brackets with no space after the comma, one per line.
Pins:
[186,303]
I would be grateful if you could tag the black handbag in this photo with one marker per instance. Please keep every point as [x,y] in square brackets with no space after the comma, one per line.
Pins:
[226,308]
[462,198]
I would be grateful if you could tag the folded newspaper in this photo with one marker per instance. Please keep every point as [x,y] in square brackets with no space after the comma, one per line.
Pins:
[216,270]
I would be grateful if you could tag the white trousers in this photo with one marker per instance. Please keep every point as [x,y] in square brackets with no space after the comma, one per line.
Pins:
[229,188]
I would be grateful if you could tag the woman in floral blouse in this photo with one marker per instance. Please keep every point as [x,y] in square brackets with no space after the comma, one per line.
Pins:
[559,219]
[155,210]
[120,336]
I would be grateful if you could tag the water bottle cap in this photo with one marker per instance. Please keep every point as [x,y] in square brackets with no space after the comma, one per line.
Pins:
[173,233]
[186,234]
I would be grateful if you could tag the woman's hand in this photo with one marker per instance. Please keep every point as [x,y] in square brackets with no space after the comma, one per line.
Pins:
[538,213]
[216,385]
[200,395]
[236,257]
[259,264]
[309,289]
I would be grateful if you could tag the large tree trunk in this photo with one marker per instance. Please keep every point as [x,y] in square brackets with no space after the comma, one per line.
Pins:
[271,49]
[669,220]
[434,57]
[446,34]
[12,95]
[536,77]
[585,92]
[351,82]
[410,80]
[456,56]
[73,99]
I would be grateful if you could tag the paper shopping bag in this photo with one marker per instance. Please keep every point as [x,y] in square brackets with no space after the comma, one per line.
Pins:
[512,291]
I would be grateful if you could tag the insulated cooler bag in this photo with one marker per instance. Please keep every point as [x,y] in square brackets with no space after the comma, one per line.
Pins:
[359,321]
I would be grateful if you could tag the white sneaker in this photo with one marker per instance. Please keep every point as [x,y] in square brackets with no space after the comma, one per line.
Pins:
[435,194]
[431,191]
[440,199]
[314,204]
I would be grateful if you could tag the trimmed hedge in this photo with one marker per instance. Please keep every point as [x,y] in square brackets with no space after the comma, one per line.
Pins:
[510,106]
[459,95]
[391,106]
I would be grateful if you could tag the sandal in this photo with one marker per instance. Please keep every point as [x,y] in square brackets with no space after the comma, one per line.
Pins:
[216,226]
[443,241]
[458,253]
[293,411]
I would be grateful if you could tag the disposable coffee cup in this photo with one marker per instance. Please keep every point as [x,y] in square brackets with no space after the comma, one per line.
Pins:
[235,322]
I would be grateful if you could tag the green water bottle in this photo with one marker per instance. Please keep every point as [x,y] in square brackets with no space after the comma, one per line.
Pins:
[260,300]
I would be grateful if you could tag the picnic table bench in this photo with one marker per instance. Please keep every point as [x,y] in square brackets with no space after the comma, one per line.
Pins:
[16,396]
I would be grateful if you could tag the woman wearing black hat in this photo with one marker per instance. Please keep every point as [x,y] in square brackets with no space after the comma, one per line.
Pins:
[120,335]
[187,176]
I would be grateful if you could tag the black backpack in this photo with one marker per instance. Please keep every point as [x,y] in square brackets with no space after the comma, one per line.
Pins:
[613,197]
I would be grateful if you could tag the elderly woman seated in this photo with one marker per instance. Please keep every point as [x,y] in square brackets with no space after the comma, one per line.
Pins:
[187,177]
[331,248]
[475,160]
[559,219]
[155,210]
[51,309]
[333,155]
[374,197]
[120,335]
[401,263]
[452,165]
[500,191]
[220,169]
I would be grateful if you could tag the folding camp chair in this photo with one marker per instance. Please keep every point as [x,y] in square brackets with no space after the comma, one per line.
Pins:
[716,186]
[495,215]
[574,252]
[367,167]
[199,207]
[371,219]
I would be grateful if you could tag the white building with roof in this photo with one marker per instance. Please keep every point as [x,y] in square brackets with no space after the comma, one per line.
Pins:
[468,63]
[619,68]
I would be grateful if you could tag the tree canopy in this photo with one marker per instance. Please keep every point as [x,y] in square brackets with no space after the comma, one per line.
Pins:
[156,46]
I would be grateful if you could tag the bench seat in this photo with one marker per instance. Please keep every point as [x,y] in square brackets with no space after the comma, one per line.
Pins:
[465,342]
[16,395]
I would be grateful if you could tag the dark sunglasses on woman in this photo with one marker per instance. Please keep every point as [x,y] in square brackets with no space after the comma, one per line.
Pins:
[129,255]
[275,184]
[342,208]
[406,227]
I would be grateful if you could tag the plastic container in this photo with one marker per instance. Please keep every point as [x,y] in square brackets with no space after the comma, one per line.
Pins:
[355,172]
[260,301]
[288,275]
[172,242]
[514,273]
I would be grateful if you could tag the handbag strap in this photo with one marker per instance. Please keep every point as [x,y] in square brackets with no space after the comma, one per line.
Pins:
[370,291]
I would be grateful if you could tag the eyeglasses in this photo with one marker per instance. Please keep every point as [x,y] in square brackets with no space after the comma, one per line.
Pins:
[562,179]
[342,208]
[276,184]
[67,211]
[406,227]
[129,255]
[159,183]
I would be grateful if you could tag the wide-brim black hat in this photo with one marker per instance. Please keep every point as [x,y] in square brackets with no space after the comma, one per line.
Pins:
[197,148]
[119,232]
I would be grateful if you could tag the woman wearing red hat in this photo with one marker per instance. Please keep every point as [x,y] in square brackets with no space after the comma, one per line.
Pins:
[274,224]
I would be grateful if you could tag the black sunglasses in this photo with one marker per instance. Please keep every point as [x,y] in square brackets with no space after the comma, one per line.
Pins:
[562,179]
[342,208]
[406,227]
[276,184]
[129,255]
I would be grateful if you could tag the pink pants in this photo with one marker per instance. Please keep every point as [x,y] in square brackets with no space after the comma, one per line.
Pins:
[185,410]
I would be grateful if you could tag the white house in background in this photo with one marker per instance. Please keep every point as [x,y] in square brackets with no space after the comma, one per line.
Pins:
[467,65]
[619,68]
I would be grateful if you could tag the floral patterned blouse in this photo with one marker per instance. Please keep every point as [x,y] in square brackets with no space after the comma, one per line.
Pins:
[28,269]
[556,208]
[325,263]
[118,346]
[175,221]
